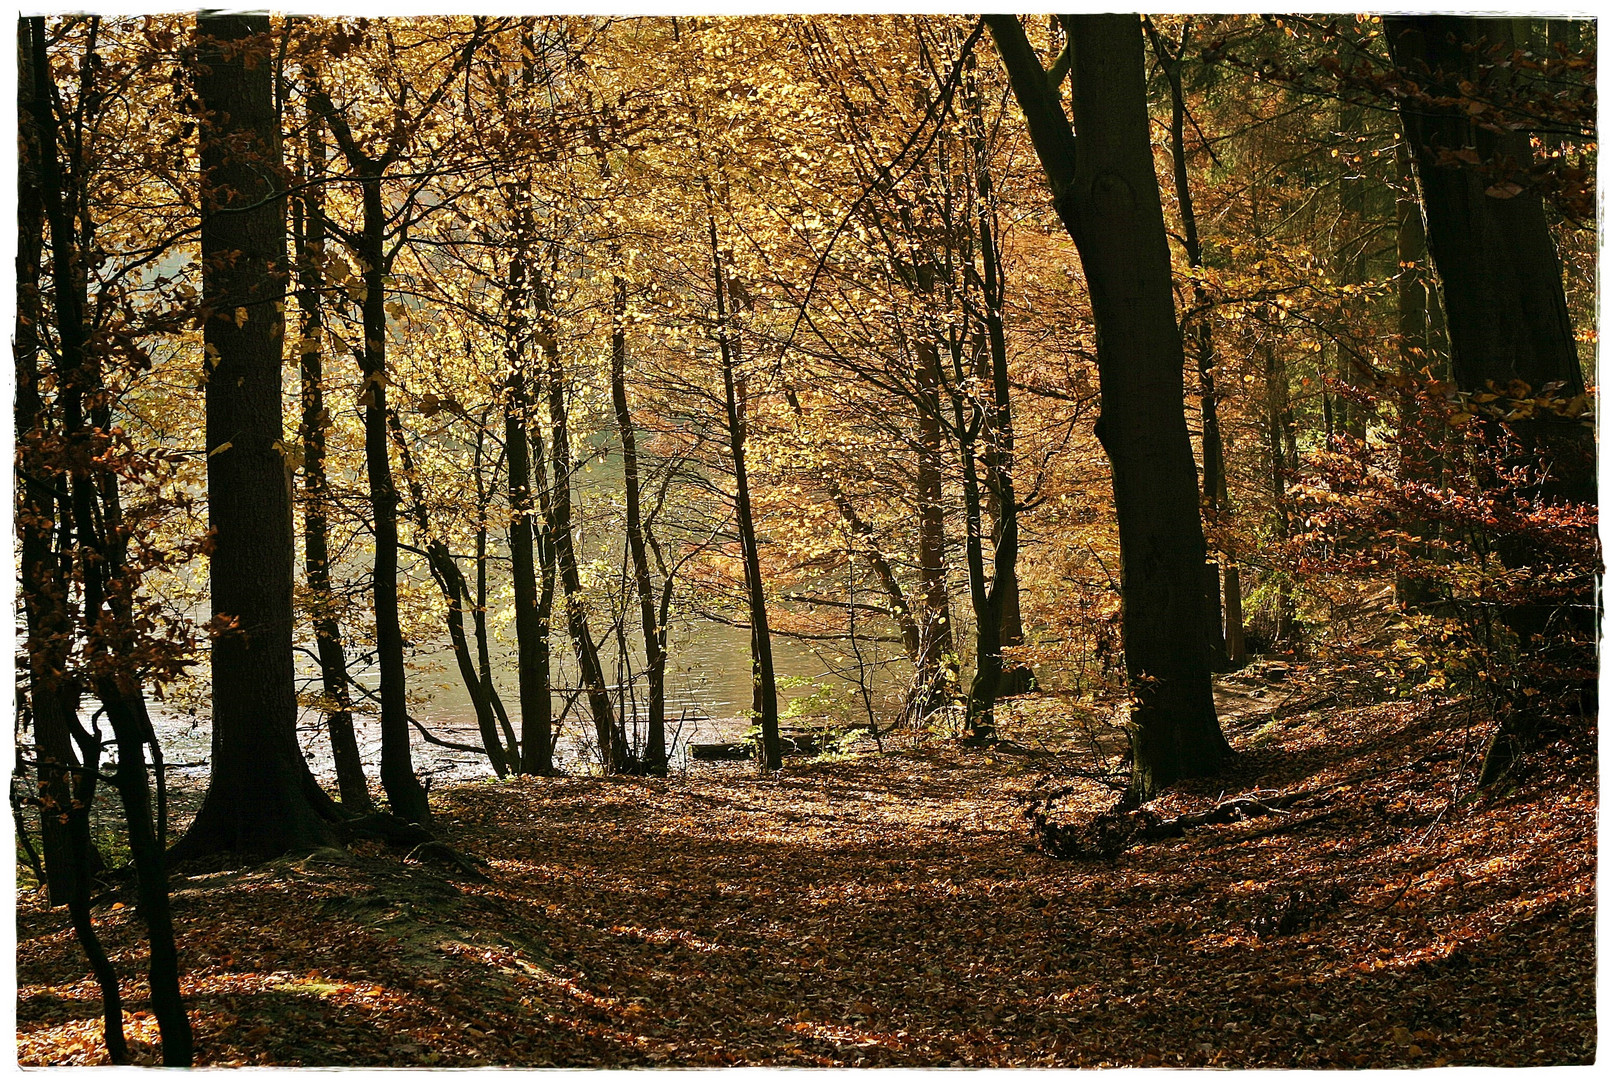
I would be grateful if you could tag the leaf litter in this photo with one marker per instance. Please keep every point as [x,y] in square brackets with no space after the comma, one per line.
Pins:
[894,910]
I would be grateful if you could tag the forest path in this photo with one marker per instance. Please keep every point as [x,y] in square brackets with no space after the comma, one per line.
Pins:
[887,910]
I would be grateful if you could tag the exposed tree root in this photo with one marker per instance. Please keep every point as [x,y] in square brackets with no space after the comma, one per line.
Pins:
[1117,829]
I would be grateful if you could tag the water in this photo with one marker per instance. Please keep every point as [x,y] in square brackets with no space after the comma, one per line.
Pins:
[708,700]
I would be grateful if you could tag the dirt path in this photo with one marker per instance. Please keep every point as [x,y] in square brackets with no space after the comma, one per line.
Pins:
[887,910]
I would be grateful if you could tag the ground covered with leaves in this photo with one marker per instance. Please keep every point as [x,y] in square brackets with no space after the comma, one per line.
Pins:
[893,909]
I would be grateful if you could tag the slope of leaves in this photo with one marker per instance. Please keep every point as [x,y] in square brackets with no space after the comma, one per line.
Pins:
[891,910]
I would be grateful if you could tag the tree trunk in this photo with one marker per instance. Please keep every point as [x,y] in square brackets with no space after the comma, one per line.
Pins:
[1502,283]
[655,751]
[66,785]
[308,217]
[1106,194]
[935,678]
[451,582]
[612,746]
[765,695]
[257,804]
[1227,646]
[484,663]
[404,792]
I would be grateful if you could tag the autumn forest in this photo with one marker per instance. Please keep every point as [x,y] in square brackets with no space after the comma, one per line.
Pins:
[800,541]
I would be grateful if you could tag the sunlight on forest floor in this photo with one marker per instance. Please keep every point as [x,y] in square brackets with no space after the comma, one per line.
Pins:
[888,910]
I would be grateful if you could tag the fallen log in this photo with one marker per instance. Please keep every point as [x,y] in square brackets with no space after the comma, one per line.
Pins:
[1116,830]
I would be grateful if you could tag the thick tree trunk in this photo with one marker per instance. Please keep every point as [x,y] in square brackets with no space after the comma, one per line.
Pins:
[1506,311]
[308,216]
[1502,282]
[1106,193]
[257,803]
[655,751]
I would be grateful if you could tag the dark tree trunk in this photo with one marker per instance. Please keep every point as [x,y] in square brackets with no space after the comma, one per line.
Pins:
[1506,312]
[1419,438]
[1106,194]
[612,746]
[308,216]
[484,663]
[1502,283]
[935,660]
[53,695]
[455,592]
[404,792]
[257,804]
[765,695]
[100,549]
[531,621]
[1226,646]
[655,751]
[66,784]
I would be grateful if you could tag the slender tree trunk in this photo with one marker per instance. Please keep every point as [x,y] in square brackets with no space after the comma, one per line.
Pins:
[655,752]
[765,697]
[404,792]
[612,746]
[1226,646]
[484,664]
[1106,193]
[451,582]
[935,658]
[66,786]
[1419,460]
[308,216]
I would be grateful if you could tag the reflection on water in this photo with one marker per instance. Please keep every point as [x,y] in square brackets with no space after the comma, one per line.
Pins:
[708,700]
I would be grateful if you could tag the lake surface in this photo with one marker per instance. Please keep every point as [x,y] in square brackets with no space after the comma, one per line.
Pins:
[708,700]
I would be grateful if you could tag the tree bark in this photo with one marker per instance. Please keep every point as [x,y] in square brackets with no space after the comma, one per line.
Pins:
[257,803]
[765,696]
[308,216]
[655,655]
[1501,280]
[1106,194]
[1227,645]
[612,746]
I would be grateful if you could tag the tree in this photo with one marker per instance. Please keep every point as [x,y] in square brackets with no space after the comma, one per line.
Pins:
[1500,277]
[308,235]
[261,799]
[1106,194]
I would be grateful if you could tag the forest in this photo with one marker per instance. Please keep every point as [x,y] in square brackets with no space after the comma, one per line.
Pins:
[872,540]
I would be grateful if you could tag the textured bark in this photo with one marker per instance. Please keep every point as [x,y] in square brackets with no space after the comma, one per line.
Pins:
[1106,194]
[257,802]
[308,218]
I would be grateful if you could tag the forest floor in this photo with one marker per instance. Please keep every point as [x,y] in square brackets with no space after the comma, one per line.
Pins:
[891,909]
